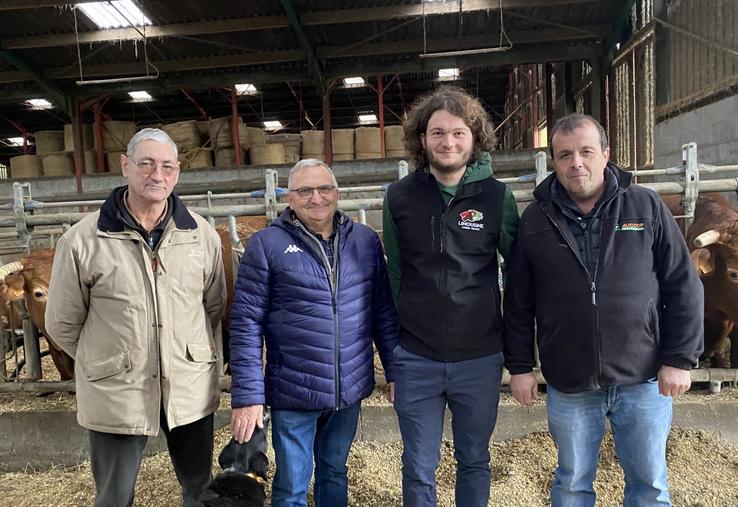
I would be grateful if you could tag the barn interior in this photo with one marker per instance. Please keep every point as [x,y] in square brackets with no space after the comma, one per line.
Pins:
[78,77]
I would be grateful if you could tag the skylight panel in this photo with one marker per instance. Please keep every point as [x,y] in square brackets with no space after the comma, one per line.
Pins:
[366,119]
[39,104]
[353,82]
[273,125]
[448,74]
[114,14]
[246,89]
[142,96]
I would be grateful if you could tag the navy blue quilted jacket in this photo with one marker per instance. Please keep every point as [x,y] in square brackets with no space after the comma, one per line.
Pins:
[318,346]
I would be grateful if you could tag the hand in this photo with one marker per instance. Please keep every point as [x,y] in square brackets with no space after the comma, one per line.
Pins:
[524,387]
[391,393]
[244,420]
[673,381]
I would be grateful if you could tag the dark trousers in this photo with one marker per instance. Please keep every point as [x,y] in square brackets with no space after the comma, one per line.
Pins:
[115,460]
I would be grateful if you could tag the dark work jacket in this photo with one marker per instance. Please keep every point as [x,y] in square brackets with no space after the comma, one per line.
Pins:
[449,301]
[641,309]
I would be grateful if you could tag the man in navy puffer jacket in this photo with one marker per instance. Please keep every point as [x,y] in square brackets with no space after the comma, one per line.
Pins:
[315,286]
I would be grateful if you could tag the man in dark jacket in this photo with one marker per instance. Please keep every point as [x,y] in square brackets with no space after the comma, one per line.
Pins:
[443,227]
[601,267]
[314,285]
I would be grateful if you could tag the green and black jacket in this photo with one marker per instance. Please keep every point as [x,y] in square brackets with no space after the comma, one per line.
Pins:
[441,245]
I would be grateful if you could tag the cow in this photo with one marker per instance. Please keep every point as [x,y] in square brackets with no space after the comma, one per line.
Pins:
[31,284]
[713,243]
[9,316]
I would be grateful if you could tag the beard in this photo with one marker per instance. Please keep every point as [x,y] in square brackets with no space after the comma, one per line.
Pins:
[445,167]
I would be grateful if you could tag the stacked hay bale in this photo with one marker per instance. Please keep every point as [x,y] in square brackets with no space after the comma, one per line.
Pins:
[394,145]
[25,166]
[368,143]
[90,162]
[115,138]
[342,141]
[268,154]
[221,140]
[186,135]
[50,147]
[291,143]
[88,145]
[313,144]
[49,141]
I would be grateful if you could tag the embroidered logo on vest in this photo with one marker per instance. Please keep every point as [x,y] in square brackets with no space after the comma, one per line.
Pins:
[471,220]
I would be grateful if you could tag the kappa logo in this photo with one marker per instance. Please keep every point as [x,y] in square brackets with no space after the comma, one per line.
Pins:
[292,249]
[630,226]
[471,215]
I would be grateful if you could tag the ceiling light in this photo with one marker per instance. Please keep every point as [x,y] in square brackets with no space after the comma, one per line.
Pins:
[140,96]
[273,125]
[353,82]
[367,118]
[246,89]
[448,74]
[15,141]
[39,104]
[114,14]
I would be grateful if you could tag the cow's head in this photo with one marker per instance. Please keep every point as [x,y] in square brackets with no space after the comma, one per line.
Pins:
[716,260]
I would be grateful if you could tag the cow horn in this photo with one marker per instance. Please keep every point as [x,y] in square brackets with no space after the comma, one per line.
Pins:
[6,269]
[707,238]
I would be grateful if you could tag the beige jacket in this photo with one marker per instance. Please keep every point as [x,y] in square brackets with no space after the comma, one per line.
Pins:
[144,329]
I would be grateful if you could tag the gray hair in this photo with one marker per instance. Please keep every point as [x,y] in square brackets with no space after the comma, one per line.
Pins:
[568,123]
[149,134]
[309,162]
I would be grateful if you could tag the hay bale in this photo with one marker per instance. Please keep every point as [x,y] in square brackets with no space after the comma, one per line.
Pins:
[360,155]
[88,137]
[394,137]
[195,158]
[226,157]
[117,134]
[267,154]
[292,144]
[342,141]
[112,159]
[57,164]
[202,127]
[221,133]
[368,142]
[256,136]
[396,154]
[25,166]
[312,144]
[90,161]
[49,141]
[185,134]
[343,156]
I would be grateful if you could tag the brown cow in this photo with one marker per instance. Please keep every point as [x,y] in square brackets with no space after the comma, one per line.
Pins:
[713,243]
[32,284]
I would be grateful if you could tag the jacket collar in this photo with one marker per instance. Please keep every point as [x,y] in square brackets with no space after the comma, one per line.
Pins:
[110,219]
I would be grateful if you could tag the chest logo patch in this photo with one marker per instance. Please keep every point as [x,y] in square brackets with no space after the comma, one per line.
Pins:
[630,226]
[471,220]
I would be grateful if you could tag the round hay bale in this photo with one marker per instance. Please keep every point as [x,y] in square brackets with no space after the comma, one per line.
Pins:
[312,144]
[342,141]
[185,134]
[196,158]
[49,141]
[25,166]
[256,136]
[202,127]
[368,141]
[221,133]
[360,155]
[112,159]
[90,161]
[117,134]
[88,137]
[57,164]
[396,154]
[292,144]
[343,156]
[226,157]
[267,154]
[394,138]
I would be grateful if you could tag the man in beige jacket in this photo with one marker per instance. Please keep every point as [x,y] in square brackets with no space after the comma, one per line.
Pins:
[136,297]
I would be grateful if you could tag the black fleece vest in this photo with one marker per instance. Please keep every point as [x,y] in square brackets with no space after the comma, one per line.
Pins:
[449,304]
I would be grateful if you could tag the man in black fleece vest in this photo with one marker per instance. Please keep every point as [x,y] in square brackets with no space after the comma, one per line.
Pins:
[601,268]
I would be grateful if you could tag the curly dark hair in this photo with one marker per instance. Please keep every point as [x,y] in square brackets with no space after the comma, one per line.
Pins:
[457,102]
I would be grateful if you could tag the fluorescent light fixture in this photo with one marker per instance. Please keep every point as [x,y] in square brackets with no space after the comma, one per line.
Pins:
[39,104]
[246,89]
[114,14]
[15,141]
[273,125]
[367,118]
[353,82]
[140,96]
[448,74]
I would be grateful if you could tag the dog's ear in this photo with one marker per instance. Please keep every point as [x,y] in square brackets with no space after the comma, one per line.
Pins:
[267,417]
[259,464]
[228,455]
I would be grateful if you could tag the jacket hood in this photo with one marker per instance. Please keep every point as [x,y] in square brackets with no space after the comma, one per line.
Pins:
[542,192]
[110,220]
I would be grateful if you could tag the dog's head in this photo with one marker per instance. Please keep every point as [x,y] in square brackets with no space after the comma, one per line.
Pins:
[248,457]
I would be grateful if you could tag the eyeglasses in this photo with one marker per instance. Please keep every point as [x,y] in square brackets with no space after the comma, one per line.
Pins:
[148,166]
[306,192]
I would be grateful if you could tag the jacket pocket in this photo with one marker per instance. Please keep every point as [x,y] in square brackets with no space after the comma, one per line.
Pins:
[107,367]
[201,353]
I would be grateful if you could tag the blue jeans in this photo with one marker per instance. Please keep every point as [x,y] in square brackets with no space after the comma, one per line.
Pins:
[423,388]
[640,419]
[301,436]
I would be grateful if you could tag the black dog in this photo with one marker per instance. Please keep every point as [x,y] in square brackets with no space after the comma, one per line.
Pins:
[245,467]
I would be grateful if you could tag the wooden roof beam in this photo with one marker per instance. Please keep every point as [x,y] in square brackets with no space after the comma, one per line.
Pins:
[313,64]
